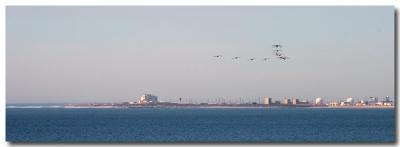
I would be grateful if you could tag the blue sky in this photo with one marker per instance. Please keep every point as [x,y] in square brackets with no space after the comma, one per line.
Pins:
[113,54]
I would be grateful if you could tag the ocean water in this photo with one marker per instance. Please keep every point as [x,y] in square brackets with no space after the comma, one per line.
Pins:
[284,125]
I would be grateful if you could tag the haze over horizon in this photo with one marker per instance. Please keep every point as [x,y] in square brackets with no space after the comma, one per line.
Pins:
[115,54]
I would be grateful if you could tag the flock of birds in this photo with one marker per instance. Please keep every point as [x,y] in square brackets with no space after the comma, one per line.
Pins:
[277,52]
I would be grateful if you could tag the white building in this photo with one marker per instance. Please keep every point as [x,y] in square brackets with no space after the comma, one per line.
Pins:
[303,101]
[286,101]
[373,101]
[148,99]
[350,100]
[295,101]
[267,101]
[318,101]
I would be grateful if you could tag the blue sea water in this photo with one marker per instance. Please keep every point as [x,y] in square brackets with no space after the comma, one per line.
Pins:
[200,125]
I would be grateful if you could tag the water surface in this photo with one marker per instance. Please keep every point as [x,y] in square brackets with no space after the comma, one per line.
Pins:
[200,125]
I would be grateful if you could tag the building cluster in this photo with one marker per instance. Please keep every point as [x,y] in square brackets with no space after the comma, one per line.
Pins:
[287,101]
[372,101]
[148,99]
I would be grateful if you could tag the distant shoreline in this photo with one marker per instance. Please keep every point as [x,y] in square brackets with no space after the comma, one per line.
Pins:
[231,107]
[358,107]
[194,106]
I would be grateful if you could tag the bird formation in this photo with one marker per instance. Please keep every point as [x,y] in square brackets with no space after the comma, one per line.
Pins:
[277,52]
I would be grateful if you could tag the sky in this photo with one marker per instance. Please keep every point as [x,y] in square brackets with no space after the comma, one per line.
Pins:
[68,54]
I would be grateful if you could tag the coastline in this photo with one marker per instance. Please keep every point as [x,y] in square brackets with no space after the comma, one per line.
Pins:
[230,107]
[212,106]
[358,107]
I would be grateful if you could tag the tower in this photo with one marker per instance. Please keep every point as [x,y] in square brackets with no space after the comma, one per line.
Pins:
[267,101]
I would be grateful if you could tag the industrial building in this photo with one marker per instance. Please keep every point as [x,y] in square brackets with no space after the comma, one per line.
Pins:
[148,99]
[387,101]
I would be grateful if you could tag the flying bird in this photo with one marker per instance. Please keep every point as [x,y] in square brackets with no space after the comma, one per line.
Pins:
[235,58]
[277,52]
[283,57]
[217,56]
[252,59]
[277,46]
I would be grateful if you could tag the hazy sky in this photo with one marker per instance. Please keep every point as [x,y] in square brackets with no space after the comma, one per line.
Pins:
[114,54]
